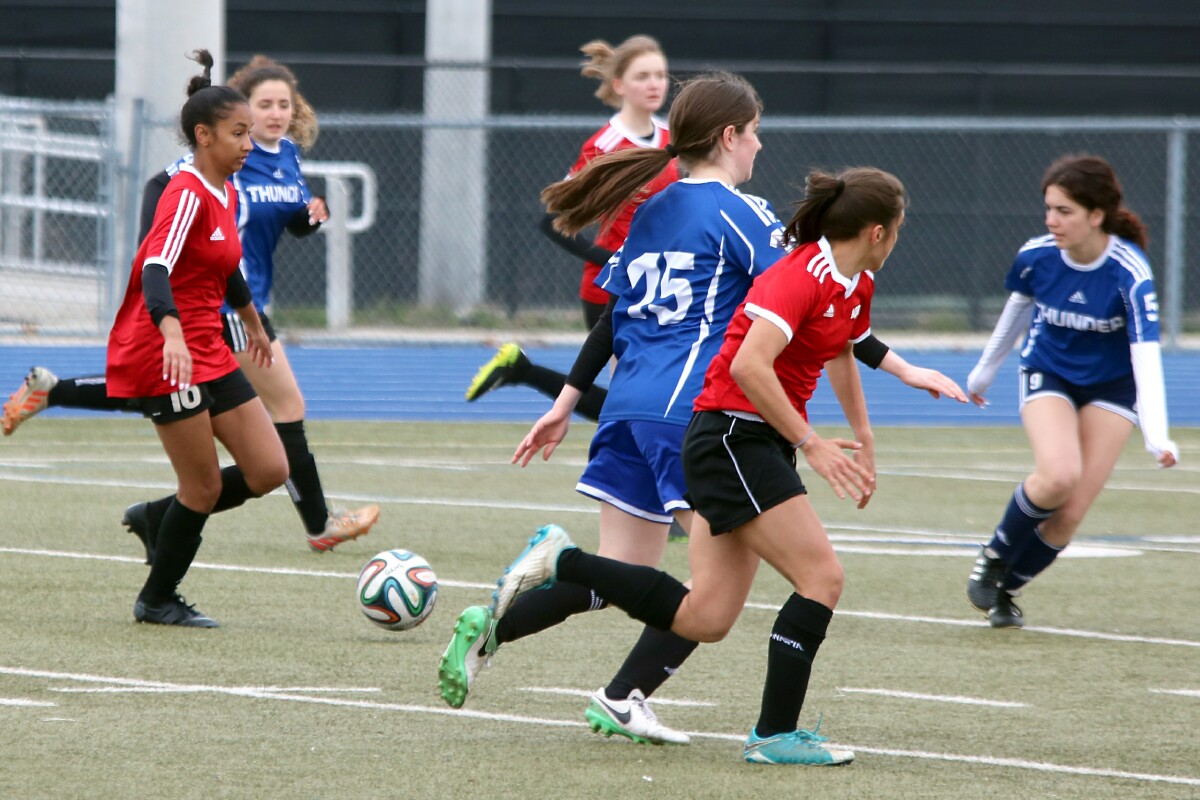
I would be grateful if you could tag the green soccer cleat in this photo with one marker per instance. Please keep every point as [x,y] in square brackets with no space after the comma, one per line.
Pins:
[470,648]
[509,360]
[534,568]
[800,747]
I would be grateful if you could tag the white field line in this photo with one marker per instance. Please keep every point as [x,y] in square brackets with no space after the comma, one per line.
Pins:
[1178,692]
[184,690]
[936,698]
[21,702]
[658,701]
[1014,763]
[1108,637]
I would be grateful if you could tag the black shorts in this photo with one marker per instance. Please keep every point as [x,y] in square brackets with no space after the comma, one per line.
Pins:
[1118,396]
[736,469]
[216,397]
[234,332]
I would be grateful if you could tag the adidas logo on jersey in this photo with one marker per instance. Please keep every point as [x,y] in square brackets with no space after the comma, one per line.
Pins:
[277,174]
[1077,297]
[829,311]
[217,235]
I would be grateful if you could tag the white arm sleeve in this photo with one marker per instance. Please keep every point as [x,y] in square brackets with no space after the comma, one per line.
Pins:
[1014,320]
[1151,397]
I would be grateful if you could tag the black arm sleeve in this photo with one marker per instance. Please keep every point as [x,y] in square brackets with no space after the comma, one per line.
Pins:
[156,291]
[150,196]
[299,226]
[596,351]
[237,292]
[578,244]
[870,351]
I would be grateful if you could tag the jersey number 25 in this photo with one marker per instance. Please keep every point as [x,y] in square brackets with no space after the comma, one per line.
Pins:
[661,285]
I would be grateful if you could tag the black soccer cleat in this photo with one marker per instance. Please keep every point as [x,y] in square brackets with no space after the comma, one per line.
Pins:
[175,611]
[1005,613]
[137,521]
[983,587]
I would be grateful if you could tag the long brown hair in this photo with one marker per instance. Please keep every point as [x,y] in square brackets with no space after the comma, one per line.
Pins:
[303,129]
[705,107]
[1092,182]
[606,63]
[839,206]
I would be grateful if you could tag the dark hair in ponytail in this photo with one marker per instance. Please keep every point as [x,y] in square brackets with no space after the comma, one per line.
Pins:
[206,103]
[839,206]
[704,108]
[1092,182]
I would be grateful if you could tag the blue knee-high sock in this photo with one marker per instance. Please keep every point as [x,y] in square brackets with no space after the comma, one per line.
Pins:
[1016,528]
[1036,558]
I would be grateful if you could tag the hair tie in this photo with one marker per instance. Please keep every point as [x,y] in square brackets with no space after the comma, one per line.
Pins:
[671,151]
[841,187]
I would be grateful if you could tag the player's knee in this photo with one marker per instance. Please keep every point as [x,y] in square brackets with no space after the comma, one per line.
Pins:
[200,492]
[1059,482]
[268,476]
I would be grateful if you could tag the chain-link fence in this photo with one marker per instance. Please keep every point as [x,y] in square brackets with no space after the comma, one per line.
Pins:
[973,186]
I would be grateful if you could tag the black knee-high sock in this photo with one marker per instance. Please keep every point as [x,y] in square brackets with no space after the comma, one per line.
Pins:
[303,483]
[178,541]
[657,656]
[537,611]
[550,383]
[644,593]
[798,632]
[234,490]
[90,391]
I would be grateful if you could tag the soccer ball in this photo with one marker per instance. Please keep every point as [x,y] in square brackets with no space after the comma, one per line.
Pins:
[397,590]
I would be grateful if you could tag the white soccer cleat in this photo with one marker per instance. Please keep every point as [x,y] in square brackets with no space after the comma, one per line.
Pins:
[632,718]
[534,568]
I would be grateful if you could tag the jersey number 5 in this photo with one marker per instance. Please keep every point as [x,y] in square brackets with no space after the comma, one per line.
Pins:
[661,286]
[1151,302]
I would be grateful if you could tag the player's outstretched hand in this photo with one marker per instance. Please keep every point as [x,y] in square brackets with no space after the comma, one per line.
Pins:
[933,382]
[844,475]
[546,433]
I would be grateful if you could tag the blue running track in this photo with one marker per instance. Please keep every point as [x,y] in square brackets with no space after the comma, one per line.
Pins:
[425,382]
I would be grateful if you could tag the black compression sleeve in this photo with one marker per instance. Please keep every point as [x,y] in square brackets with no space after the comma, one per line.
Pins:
[150,197]
[237,292]
[596,351]
[299,225]
[156,290]
[578,245]
[870,351]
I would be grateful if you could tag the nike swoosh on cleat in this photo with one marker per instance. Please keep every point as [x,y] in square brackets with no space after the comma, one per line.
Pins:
[622,717]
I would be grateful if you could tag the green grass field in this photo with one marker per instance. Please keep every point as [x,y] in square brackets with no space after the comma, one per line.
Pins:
[297,695]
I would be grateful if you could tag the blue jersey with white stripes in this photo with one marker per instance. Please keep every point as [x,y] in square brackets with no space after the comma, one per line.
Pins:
[1086,315]
[692,252]
[271,191]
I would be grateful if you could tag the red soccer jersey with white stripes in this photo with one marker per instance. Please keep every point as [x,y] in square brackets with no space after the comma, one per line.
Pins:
[816,307]
[610,138]
[194,235]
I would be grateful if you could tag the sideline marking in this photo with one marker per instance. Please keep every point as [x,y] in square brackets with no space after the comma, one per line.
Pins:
[1178,692]
[658,701]
[937,698]
[963,623]
[184,690]
[1016,763]
[22,702]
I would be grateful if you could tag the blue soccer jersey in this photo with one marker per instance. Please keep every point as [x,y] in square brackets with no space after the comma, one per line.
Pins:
[1086,315]
[271,191]
[692,252]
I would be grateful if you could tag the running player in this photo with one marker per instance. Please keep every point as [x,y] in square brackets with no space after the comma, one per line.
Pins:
[165,349]
[633,80]
[1090,370]
[272,196]
[739,460]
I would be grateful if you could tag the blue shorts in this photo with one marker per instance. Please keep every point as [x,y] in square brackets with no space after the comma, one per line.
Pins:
[636,466]
[1119,396]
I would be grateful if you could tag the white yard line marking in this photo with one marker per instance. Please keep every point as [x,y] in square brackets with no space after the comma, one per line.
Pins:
[1015,763]
[183,690]
[21,702]
[937,698]
[658,701]
[963,623]
[1178,692]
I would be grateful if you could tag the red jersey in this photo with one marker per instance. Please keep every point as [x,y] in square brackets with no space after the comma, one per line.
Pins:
[194,235]
[819,310]
[612,137]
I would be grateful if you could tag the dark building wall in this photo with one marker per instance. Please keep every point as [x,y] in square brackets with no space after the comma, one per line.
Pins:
[1104,57]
